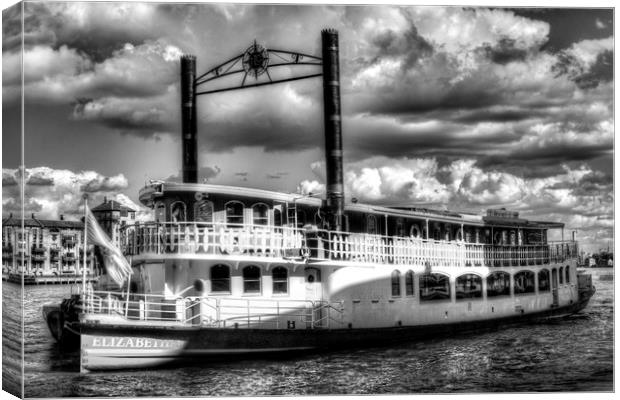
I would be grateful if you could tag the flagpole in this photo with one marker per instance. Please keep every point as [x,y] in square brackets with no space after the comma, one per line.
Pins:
[85,244]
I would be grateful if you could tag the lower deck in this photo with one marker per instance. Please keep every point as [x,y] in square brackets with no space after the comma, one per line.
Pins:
[288,295]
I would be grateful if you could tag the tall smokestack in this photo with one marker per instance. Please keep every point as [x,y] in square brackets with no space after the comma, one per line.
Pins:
[188,119]
[333,130]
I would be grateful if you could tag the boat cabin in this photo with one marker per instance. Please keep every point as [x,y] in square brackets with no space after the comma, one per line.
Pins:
[235,207]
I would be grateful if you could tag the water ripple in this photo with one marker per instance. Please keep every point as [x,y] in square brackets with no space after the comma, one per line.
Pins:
[564,354]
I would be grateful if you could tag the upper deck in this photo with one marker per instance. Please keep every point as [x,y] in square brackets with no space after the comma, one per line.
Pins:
[211,220]
[186,202]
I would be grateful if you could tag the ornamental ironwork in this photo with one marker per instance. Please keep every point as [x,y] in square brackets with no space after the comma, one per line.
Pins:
[255,62]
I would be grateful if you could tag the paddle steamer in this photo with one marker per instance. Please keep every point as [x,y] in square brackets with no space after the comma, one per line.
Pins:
[227,270]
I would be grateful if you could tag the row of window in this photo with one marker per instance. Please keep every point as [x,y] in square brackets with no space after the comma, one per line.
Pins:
[437,286]
[220,279]
[234,215]
[234,211]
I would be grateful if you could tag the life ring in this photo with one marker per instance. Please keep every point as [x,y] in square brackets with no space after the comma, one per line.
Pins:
[227,242]
[415,231]
[201,196]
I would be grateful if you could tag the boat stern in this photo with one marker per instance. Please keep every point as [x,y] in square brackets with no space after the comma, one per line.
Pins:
[59,324]
[585,288]
[52,315]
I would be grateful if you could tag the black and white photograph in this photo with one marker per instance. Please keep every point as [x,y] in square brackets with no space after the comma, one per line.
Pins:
[216,199]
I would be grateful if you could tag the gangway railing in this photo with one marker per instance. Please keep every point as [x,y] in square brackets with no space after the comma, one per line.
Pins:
[213,311]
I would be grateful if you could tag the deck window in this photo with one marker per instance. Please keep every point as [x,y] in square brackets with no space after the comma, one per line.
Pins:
[220,278]
[371,224]
[434,287]
[160,214]
[177,212]
[400,227]
[234,213]
[436,232]
[468,286]
[447,232]
[280,280]
[409,283]
[524,282]
[395,283]
[543,281]
[259,214]
[498,284]
[567,274]
[251,279]
[301,218]
[203,211]
[561,275]
[277,217]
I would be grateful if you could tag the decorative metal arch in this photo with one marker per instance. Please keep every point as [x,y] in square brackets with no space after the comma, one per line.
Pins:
[254,62]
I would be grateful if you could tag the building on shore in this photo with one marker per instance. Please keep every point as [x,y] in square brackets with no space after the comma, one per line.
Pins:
[112,216]
[44,247]
[52,250]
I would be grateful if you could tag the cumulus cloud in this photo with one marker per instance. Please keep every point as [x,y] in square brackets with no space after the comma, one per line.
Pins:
[431,80]
[576,196]
[100,183]
[64,74]
[310,187]
[91,28]
[50,192]
[137,116]
[587,63]
[439,104]
[9,178]
[40,178]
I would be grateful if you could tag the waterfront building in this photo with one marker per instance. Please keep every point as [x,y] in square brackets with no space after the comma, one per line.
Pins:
[54,248]
[112,216]
[44,247]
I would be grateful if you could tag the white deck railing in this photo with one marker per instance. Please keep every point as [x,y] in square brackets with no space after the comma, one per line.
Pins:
[160,238]
[218,312]
[270,241]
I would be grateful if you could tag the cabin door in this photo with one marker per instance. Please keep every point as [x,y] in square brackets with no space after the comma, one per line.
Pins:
[314,294]
[314,286]
[554,286]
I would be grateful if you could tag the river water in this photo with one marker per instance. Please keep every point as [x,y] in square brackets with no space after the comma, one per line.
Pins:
[574,353]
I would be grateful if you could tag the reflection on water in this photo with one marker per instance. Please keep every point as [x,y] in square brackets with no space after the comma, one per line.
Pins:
[574,353]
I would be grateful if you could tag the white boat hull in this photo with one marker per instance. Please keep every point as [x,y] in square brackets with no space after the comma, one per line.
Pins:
[125,346]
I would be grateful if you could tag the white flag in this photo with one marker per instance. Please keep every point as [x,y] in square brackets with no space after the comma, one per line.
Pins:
[115,263]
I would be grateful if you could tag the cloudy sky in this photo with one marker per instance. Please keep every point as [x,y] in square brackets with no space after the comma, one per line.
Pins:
[464,108]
